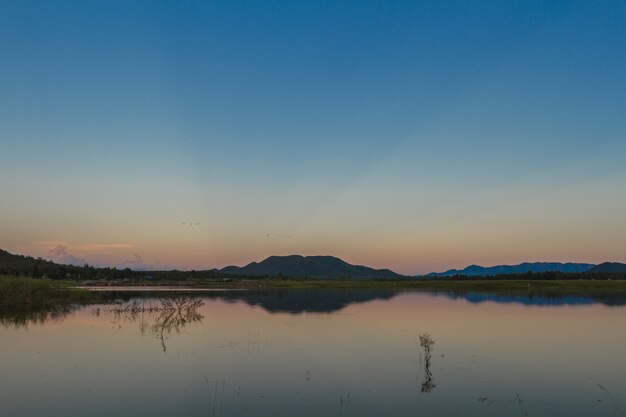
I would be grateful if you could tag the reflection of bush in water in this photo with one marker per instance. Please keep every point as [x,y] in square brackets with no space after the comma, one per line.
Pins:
[161,318]
[21,316]
[25,301]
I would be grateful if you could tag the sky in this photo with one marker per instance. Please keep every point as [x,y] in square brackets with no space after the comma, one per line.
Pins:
[418,136]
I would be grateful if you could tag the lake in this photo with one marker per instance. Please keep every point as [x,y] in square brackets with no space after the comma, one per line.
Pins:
[317,353]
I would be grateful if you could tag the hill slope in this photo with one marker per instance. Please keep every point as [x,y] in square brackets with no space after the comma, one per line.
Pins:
[308,266]
[608,267]
[476,270]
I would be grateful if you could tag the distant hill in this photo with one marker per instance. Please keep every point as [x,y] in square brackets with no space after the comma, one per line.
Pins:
[608,267]
[294,266]
[309,266]
[476,270]
[11,264]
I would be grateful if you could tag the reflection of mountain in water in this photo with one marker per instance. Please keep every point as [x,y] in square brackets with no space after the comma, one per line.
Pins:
[328,301]
[539,300]
[287,301]
[297,301]
[308,301]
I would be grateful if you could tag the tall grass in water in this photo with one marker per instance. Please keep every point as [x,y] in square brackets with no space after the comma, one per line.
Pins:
[213,405]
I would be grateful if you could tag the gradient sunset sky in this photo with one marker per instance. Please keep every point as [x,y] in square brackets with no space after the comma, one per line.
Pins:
[417,136]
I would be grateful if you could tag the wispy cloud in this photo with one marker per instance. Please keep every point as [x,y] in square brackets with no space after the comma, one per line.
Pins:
[102,246]
[89,247]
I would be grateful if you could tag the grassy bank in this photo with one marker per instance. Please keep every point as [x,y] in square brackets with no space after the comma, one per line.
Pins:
[27,300]
[28,291]
[39,292]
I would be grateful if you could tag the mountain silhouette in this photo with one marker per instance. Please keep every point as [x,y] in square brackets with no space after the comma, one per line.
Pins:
[608,267]
[295,266]
[476,270]
[298,266]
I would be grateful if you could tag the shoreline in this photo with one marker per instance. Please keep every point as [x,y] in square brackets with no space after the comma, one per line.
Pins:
[486,285]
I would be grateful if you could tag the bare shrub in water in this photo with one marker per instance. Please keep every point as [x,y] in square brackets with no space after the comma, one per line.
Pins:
[426,342]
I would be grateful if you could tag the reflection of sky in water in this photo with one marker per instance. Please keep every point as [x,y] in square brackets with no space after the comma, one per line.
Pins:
[363,359]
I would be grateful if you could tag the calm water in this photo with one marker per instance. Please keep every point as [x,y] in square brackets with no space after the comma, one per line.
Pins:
[318,353]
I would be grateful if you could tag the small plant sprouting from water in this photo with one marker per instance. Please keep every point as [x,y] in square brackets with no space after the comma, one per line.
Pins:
[522,407]
[610,397]
[344,403]
[426,342]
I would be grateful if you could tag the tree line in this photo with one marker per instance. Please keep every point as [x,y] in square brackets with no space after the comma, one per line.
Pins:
[28,266]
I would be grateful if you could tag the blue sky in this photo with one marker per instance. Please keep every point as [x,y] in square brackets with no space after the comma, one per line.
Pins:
[410,135]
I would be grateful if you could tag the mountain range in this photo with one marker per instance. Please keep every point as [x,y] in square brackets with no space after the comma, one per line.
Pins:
[476,270]
[332,267]
[295,266]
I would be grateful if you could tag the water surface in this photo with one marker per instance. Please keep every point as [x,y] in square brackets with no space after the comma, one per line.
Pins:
[318,353]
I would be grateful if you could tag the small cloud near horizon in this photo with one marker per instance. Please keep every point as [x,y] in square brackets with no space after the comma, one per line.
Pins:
[60,254]
[66,253]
